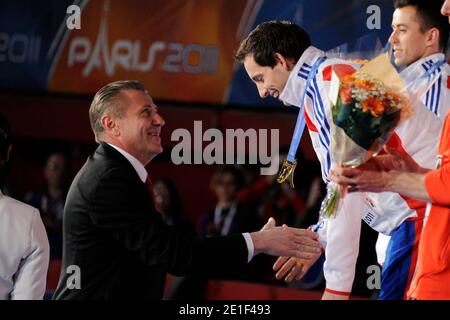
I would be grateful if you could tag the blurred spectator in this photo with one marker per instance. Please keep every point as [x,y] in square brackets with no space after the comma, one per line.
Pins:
[169,205]
[229,215]
[50,201]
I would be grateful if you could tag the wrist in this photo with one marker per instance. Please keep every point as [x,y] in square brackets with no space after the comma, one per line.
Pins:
[389,178]
[257,242]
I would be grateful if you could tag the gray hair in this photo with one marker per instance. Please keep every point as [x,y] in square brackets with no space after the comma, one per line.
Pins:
[107,101]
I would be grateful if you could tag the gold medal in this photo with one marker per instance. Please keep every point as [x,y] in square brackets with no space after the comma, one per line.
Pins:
[287,172]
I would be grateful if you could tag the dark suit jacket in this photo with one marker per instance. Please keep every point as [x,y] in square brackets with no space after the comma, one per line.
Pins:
[121,244]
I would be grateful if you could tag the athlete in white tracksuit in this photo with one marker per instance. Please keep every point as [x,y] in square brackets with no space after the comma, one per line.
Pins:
[388,213]
[278,57]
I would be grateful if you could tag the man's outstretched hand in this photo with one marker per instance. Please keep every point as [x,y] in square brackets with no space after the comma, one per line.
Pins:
[286,241]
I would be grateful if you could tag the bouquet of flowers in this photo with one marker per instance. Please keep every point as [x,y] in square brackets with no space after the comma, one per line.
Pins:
[366,106]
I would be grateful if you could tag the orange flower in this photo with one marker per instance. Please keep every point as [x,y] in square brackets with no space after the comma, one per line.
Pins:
[373,105]
[395,98]
[364,84]
[348,78]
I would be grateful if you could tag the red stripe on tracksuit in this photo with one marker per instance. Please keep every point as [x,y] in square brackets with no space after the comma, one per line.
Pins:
[309,123]
[341,293]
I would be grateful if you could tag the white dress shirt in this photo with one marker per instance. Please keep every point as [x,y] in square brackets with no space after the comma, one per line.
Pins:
[142,173]
[24,251]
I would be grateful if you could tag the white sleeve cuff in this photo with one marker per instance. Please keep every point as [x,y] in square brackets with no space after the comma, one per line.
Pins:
[250,246]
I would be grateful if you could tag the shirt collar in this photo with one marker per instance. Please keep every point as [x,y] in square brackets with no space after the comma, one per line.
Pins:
[137,165]
[291,93]
[414,75]
[417,69]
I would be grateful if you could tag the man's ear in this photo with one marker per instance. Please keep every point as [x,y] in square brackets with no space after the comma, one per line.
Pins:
[110,125]
[433,37]
[286,63]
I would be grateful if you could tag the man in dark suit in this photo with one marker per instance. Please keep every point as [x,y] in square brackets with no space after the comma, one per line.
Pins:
[116,244]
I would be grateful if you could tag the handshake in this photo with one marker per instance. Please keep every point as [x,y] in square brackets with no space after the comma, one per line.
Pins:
[298,249]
